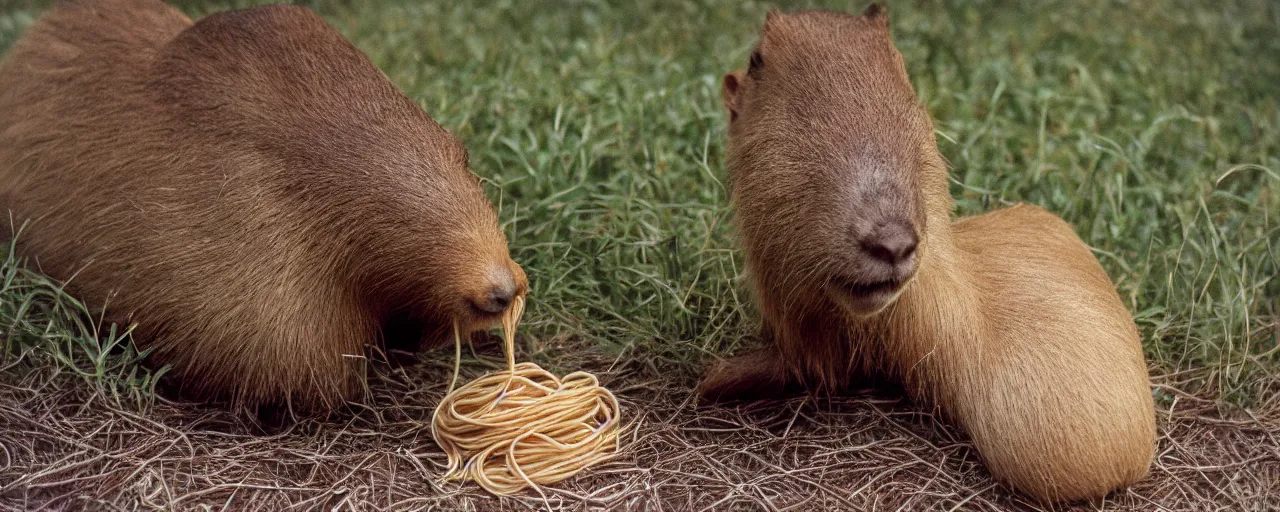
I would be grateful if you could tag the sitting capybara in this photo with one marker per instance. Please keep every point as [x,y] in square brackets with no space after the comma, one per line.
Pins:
[1005,321]
[249,189]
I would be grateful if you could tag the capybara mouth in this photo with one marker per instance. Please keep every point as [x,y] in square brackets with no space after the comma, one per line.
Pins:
[865,298]
[872,289]
[477,319]
[482,315]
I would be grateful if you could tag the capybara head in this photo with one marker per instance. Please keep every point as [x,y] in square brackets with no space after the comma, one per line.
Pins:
[429,245]
[828,152]
[440,255]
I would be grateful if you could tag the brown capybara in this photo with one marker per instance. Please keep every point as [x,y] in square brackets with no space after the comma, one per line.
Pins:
[249,189]
[1004,321]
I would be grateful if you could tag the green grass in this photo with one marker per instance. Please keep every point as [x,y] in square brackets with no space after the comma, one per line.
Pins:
[50,334]
[1151,126]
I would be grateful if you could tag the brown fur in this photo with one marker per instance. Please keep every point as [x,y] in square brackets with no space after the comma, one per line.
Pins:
[1005,321]
[249,189]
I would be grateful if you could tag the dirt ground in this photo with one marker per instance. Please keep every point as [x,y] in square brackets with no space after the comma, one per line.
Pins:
[64,448]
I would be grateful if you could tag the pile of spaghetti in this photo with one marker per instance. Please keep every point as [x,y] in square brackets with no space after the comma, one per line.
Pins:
[523,427]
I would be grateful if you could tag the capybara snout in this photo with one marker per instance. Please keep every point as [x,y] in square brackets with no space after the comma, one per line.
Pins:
[497,291]
[890,244]
[498,285]
[249,189]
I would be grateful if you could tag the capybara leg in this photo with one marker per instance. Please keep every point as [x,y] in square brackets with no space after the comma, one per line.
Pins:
[754,375]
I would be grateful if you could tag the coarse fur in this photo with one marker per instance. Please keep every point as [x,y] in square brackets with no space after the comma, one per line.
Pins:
[249,189]
[1004,321]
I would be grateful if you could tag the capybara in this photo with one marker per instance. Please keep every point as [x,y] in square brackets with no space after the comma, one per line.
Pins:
[1004,321]
[249,189]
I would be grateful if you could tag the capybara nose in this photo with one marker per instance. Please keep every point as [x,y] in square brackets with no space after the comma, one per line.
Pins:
[892,243]
[502,290]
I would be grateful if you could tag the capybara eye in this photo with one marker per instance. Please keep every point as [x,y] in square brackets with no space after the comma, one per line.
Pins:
[756,62]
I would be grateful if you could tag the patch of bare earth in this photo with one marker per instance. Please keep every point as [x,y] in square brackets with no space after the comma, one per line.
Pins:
[62,448]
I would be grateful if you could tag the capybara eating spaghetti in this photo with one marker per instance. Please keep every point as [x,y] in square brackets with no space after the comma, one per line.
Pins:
[1005,321]
[249,189]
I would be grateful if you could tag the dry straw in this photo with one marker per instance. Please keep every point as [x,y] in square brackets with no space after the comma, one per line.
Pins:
[523,427]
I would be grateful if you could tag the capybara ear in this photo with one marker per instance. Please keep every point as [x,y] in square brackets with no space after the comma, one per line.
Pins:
[877,13]
[751,376]
[771,15]
[729,93]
